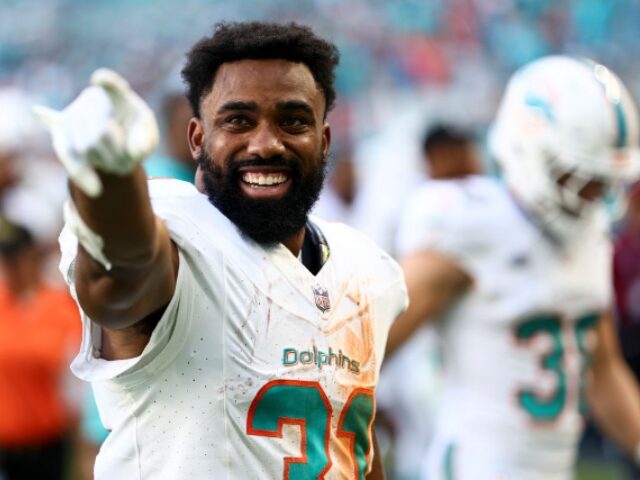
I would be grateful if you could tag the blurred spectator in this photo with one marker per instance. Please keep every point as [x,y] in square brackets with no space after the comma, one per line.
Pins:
[178,163]
[388,169]
[339,190]
[449,153]
[39,330]
[20,136]
[39,323]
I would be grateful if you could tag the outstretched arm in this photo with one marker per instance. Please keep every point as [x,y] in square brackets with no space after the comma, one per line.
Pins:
[126,265]
[614,397]
[434,282]
[144,263]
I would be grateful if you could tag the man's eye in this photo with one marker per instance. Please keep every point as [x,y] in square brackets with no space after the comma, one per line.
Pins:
[238,121]
[293,122]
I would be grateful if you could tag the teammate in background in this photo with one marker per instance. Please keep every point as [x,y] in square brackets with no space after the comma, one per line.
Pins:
[178,163]
[225,333]
[449,153]
[410,380]
[519,278]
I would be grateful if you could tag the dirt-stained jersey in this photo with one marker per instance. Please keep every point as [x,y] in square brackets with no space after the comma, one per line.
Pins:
[258,369]
[517,344]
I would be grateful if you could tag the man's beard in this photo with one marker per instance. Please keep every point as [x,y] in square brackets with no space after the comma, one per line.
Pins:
[265,221]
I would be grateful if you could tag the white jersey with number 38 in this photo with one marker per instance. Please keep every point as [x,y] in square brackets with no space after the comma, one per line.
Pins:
[517,345]
[257,369]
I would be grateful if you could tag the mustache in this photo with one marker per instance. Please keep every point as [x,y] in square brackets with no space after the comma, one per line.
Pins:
[234,166]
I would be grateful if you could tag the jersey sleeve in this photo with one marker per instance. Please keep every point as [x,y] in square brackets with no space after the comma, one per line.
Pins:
[165,341]
[440,218]
[168,334]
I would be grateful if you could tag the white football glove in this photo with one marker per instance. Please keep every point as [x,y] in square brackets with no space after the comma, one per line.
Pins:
[107,127]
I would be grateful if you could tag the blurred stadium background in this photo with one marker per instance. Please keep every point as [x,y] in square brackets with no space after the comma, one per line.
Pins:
[405,65]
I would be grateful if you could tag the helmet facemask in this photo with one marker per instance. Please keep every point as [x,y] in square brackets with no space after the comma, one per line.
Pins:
[578,193]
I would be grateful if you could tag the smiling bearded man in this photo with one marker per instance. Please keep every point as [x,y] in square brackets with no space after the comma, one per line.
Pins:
[229,336]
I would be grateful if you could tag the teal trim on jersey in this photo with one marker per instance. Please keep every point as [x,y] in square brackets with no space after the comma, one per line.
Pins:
[91,424]
[545,409]
[622,125]
[357,419]
[583,326]
[282,403]
[448,464]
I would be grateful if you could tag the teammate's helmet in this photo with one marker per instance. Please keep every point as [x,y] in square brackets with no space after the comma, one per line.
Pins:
[565,123]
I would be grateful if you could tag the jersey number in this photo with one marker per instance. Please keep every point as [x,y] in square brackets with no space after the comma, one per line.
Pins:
[305,404]
[548,408]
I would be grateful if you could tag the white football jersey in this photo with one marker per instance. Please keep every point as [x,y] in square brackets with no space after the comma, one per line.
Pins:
[517,345]
[408,394]
[257,369]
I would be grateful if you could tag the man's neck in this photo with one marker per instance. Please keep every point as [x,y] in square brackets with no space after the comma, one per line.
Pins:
[294,243]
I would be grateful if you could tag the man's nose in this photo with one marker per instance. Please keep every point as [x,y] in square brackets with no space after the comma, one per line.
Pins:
[265,142]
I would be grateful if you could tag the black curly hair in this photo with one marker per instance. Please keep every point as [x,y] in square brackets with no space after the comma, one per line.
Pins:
[259,40]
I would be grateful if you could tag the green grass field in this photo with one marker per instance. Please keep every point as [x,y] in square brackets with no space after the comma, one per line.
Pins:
[599,470]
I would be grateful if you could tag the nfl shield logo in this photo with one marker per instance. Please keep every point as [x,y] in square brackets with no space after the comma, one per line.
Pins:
[322,298]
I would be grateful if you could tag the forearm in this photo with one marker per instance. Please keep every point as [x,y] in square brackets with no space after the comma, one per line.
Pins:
[408,323]
[137,245]
[434,283]
[615,404]
[121,216]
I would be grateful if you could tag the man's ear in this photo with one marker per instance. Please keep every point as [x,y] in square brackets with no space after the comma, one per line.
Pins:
[195,136]
[326,140]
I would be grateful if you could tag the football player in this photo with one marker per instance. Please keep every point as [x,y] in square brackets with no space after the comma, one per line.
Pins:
[409,386]
[519,276]
[226,335]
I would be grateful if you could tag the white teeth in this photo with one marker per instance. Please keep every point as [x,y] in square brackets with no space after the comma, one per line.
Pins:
[264,178]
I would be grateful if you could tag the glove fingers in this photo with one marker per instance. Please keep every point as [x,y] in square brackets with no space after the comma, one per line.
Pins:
[47,116]
[125,101]
[132,112]
[115,85]
[143,135]
[88,181]
[109,154]
[108,126]
[86,120]
[80,172]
